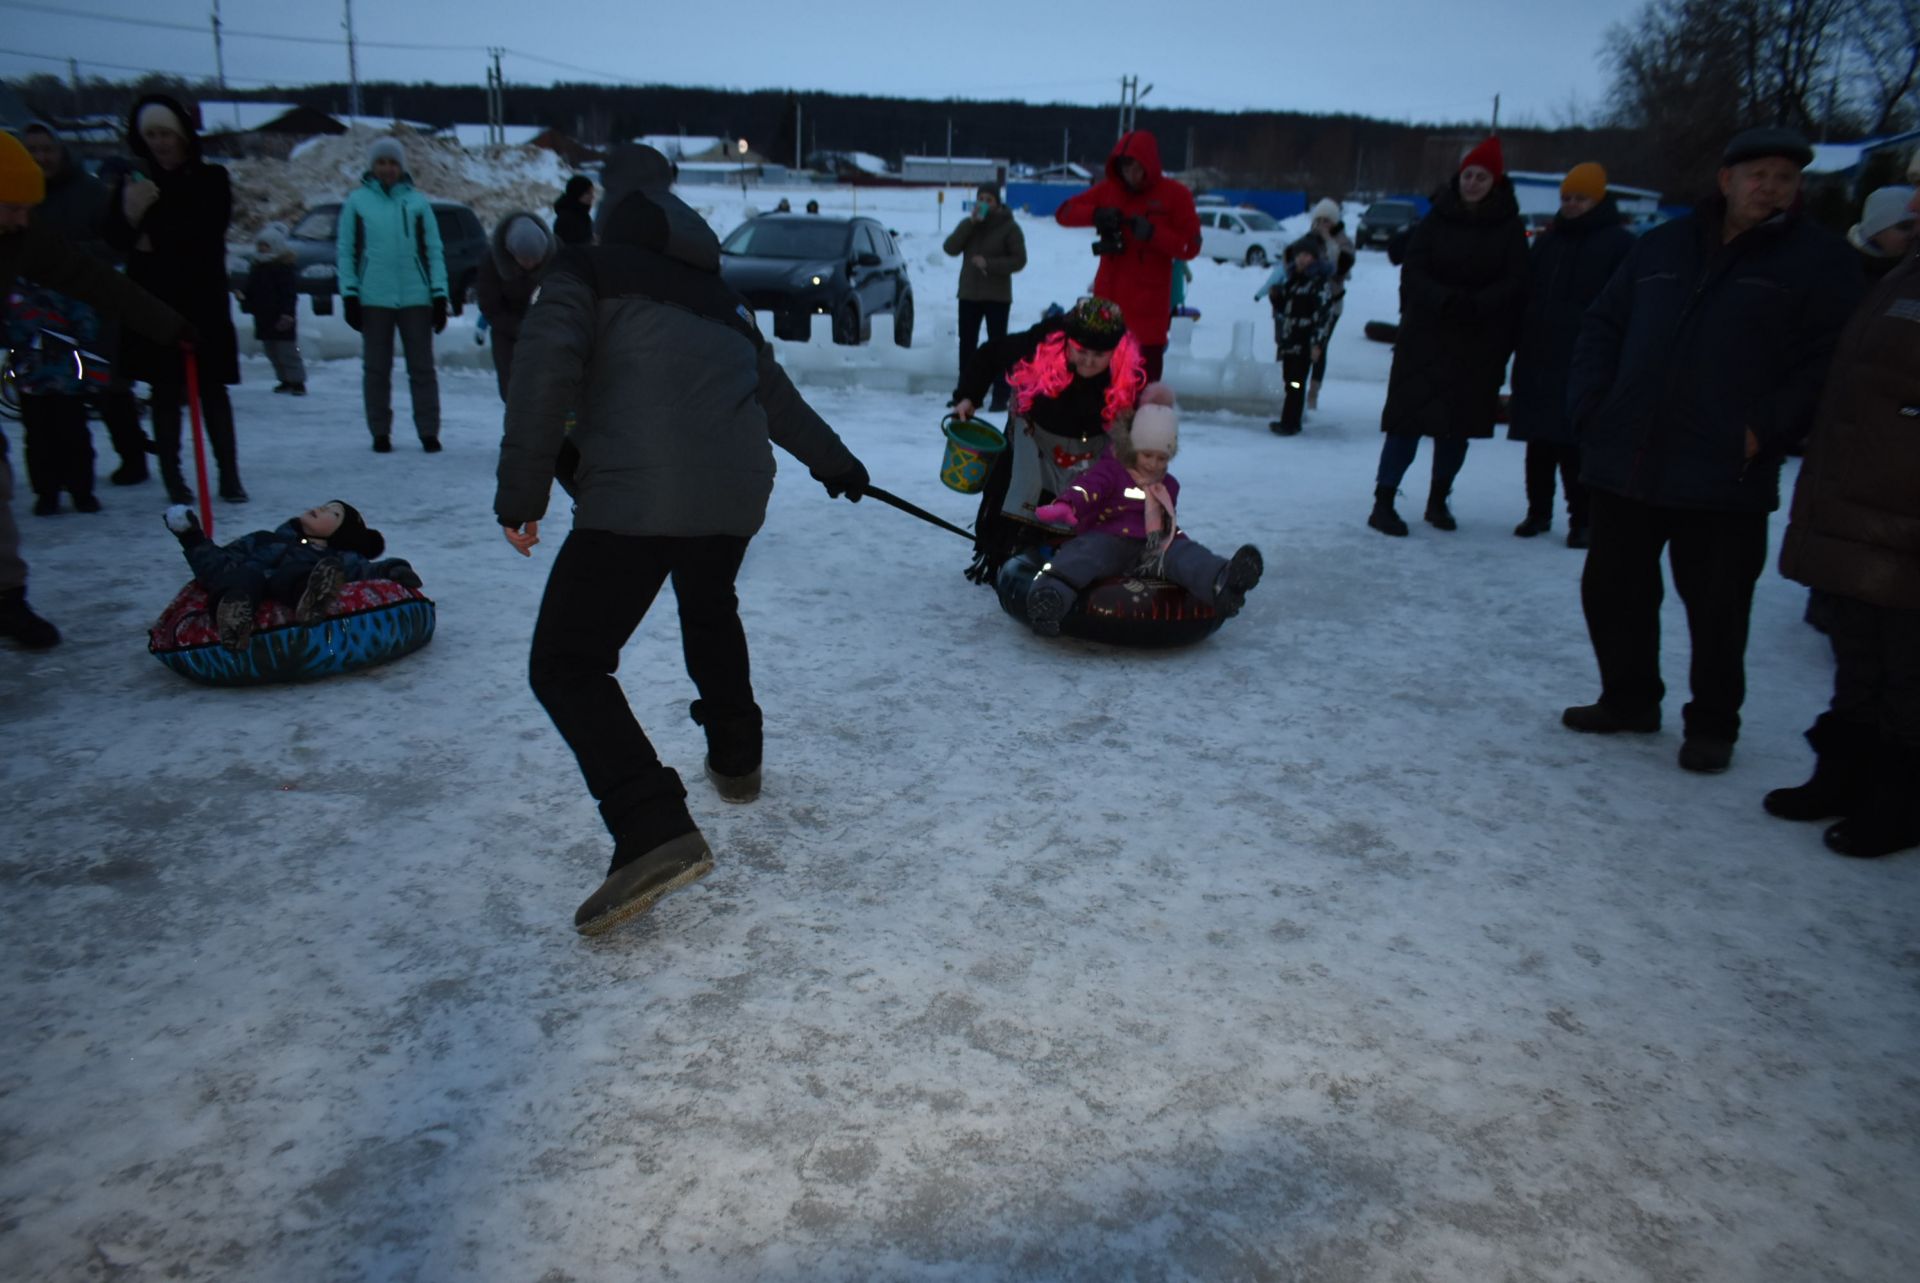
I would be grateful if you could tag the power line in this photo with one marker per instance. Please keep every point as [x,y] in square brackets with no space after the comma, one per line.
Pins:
[225,30]
[64,59]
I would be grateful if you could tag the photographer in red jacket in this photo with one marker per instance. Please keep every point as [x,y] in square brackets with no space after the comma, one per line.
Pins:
[1146,221]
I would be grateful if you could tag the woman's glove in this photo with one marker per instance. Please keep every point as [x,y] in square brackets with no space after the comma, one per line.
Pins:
[352,307]
[1057,513]
[439,315]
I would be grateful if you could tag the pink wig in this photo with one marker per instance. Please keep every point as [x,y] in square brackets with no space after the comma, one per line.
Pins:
[1047,374]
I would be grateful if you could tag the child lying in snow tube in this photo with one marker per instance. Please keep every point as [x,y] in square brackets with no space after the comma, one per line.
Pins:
[304,600]
[1131,576]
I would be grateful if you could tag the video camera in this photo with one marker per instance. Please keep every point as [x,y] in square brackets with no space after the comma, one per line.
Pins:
[1106,221]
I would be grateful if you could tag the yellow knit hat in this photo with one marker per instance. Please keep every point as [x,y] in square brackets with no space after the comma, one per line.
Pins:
[21,182]
[1586,179]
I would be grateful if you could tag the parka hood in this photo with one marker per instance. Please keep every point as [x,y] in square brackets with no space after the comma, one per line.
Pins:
[1138,145]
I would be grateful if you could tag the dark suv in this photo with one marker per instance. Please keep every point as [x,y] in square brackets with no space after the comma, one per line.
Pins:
[798,266]
[462,242]
[1383,220]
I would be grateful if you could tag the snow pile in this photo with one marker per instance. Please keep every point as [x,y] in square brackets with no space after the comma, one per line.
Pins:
[493,180]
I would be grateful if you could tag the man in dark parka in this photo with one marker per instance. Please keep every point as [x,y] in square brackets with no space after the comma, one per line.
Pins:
[680,402]
[1569,264]
[1854,538]
[1696,370]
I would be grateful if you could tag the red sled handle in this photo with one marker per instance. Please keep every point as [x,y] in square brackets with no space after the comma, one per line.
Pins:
[192,364]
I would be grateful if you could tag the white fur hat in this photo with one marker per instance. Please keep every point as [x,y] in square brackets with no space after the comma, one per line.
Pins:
[1328,209]
[1883,209]
[159,114]
[1156,427]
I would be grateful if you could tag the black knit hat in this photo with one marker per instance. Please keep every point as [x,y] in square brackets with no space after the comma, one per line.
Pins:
[1756,144]
[354,535]
[1096,323]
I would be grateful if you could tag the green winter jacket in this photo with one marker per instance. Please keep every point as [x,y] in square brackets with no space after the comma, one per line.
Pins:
[996,238]
[387,247]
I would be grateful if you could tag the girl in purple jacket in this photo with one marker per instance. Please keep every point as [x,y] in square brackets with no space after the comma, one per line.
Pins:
[1122,512]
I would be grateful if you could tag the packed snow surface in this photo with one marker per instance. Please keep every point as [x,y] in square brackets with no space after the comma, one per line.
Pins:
[1316,951]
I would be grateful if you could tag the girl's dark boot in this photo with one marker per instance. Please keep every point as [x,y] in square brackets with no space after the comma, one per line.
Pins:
[1437,514]
[1383,518]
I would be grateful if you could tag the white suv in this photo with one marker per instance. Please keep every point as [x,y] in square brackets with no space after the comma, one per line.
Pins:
[1240,234]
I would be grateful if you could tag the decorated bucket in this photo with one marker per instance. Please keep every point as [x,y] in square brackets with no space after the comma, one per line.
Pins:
[972,445]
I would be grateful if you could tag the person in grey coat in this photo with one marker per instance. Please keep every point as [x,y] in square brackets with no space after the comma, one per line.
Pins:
[680,402]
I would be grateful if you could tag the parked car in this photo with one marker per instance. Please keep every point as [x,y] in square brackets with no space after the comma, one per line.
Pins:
[463,241]
[1240,234]
[1384,220]
[799,266]
[1536,223]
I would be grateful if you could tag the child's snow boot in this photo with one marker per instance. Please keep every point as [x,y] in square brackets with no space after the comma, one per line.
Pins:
[1237,578]
[323,585]
[185,525]
[233,617]
[1383,518]
[1047,605]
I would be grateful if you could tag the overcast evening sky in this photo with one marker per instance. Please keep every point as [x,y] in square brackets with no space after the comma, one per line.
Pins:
[1422,60]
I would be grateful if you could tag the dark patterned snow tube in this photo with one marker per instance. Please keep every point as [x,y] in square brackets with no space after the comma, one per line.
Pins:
[371,622]
[1123,611]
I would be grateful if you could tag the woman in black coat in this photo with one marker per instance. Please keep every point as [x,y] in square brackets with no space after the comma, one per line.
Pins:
[573,212]
[1461,289]
[169,217]
[1568,266]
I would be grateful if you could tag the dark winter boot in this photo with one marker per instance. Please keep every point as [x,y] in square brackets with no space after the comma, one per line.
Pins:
[131,472]
[231,491]
[1577,537]
[1839,774]
[1383,518]
[1535,524]
[1886,816]
[1241,573]
[1437,514]
[1705,754]
[733,749]
[1602,719]
[637,885]
[178,491]
[1047,605]
[18,622]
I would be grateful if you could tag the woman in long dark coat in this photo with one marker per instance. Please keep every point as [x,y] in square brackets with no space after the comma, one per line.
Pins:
[1568,266]
[1461,289]
[169,217]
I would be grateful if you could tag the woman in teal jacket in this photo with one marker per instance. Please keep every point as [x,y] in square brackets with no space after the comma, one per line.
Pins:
[393,276]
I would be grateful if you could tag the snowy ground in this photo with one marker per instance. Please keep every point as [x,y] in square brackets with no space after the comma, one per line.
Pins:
[1316,951]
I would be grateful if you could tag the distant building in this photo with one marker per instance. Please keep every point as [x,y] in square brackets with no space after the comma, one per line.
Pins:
[681,148]
[954,171]
[1540,194]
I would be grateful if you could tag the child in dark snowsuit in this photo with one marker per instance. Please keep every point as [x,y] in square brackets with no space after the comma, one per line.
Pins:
[272,298]
[301,564]
[1122,509]
[1301,294]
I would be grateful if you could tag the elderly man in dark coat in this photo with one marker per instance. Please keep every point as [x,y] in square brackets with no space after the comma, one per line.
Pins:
[1854,538]
[169,217]
[1696,370]
[679,402]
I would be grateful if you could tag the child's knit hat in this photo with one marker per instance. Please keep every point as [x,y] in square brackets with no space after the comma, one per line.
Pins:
[21,182]
[354,535]
[1328,209]
[1156,423]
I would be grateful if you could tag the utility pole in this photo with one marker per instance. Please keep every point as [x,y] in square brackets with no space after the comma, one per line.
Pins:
[496,100]
[798,162]
[1130,95]
[949,151]
[1496,113]
[353,67]
[1126,88]
[219,56]
[73,79]
[1066,146]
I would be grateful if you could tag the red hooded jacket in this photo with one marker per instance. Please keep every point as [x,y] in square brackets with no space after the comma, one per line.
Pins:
[1140,277]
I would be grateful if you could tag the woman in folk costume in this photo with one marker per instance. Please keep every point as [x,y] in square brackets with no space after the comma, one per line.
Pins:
[1072,376]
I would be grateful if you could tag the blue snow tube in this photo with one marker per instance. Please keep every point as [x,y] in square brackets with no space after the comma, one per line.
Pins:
[1123,610]
[370,622]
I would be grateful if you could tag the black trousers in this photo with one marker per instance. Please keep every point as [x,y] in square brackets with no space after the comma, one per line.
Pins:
[1295,370]
[59,447]
[216,411]
[972,312]
[1544,459]
[1320,366]
[121,413]
[1717,558]
[1876,669]
[600,589]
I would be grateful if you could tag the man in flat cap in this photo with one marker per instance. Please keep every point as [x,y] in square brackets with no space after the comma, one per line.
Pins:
[1696,370]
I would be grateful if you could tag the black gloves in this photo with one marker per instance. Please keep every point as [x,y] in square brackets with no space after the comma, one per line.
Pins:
[1106,220]
[439,315]
[852,483]
[1141,227]
[352,306]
